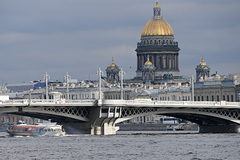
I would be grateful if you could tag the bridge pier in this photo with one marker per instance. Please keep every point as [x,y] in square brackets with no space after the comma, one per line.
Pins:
[219,128]
[106,129]
[84,128]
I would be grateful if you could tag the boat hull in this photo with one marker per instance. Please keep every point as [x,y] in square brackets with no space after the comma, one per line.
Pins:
[36,130]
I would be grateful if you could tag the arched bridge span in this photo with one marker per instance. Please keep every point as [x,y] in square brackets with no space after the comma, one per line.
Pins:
[104,114]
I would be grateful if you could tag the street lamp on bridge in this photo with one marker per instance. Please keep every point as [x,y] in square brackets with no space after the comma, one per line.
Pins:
[100,74]
[121,74]
[46,77]
[192,83]
[67,78]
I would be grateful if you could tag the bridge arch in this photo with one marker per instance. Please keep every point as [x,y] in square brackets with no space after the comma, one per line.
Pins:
[199,116]
[57,114]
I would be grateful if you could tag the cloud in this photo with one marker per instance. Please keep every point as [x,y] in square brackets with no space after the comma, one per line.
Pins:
[79,36]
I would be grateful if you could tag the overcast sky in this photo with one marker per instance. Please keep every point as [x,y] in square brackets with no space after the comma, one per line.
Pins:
[79,36]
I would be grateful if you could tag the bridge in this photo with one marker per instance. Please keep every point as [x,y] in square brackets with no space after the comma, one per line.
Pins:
[100,116]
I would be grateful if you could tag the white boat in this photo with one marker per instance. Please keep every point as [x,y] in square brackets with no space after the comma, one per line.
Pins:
[48,129]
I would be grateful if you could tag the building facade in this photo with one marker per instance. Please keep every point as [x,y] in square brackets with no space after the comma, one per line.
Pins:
[157,43]
[217,88]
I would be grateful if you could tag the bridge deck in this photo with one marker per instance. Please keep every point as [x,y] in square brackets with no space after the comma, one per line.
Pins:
[123,103]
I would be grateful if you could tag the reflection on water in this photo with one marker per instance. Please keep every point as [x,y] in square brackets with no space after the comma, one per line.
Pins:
[137,145]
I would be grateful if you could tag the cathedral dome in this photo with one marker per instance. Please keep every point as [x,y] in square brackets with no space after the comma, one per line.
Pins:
[112,64]
[156,27]
[202,63]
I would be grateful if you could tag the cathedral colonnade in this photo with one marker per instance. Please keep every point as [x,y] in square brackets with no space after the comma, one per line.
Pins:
[160,61]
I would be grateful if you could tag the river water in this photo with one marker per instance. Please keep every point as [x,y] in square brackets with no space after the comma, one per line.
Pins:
[123,146]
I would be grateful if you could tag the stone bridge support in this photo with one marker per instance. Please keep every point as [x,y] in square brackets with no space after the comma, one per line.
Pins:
[103,120]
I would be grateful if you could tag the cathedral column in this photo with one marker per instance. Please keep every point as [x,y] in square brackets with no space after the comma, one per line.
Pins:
[139,61]
[142,59]
[157,62]
[177,63]
[167,62]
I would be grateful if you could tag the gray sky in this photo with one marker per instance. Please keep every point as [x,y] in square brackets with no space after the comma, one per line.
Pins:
[78,36]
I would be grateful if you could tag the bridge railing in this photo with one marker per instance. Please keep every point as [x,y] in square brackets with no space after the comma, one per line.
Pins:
[207,103]
[45,101]
[52,101]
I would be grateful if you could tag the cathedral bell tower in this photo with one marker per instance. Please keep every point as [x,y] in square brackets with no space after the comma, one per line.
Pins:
[112,72]
[202,70]
[157,43]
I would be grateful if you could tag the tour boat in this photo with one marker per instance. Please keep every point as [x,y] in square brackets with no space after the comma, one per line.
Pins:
[48,129]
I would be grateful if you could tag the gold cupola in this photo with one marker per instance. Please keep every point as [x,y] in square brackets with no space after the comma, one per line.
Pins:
[202,63]
[157,5]
[112,64]
[148,61]
[157,26]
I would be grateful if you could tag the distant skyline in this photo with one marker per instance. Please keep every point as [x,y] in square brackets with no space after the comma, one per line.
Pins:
[80,36]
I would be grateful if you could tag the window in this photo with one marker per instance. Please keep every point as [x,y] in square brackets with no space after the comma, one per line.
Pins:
[223,97]
[212,98]
[217,98]
[173,97]
[228,98]
[207,98]
[231,98]
[202,98]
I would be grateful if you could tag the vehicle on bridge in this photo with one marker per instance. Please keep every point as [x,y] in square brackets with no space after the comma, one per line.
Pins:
[49,129]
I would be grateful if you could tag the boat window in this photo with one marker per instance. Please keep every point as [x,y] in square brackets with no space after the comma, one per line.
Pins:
[26,129]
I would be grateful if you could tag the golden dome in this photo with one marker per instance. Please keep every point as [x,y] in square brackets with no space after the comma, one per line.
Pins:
[156,27]
[202,63]
[148,62]
[156,5]
[112,64]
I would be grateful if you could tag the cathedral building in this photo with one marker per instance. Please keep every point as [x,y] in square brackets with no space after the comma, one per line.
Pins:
[202,71]
[112,72]
[158,47]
